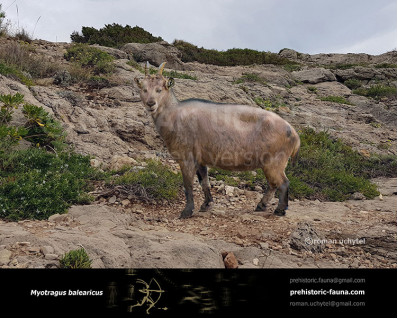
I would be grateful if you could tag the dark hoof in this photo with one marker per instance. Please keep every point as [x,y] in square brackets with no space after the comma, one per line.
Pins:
[186,214]
[280,212]
[205,206]
[261,207]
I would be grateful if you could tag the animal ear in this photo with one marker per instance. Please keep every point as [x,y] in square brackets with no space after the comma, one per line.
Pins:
[170,83]
[138,82]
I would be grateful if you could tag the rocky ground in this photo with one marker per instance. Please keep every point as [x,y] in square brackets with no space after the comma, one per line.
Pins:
[112,125]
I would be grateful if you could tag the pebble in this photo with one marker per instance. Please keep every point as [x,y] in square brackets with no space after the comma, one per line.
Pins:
[125,202]
[47,250]
[112,200]
[51,256]
[255,261]
[5,256]
[264,245]
[230,261]
[229,190]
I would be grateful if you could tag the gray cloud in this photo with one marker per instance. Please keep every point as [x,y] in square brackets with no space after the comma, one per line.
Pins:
[309,26]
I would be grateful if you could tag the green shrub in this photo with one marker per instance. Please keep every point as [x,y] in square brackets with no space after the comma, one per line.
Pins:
[15,73]
[353,84]
[42,129]
[292,67]
[9,137]
[9,103]
[89,57]
[377,91]
[264,104]
[231,57]
[336,99]
[2,17]
[75,259]
[114,35]
[312,89]
[35,184]
[155,181]
[250,77]
[386,66]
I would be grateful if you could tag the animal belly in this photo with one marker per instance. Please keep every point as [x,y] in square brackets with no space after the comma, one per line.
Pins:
[233,158]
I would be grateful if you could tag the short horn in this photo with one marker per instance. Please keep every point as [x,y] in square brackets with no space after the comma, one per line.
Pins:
[161,67]
[146,68]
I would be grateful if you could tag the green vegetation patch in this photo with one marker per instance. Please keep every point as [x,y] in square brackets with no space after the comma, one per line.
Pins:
[113,35]
[377,91]
[155,181]
[75,259]
[336,99]
[44,179]
[35,184]
[231,57]
[15,73]
[386,66]
[327,169]
[353,84]
[90,57]
[251,77]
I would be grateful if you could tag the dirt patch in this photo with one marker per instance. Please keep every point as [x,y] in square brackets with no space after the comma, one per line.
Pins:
[353,234]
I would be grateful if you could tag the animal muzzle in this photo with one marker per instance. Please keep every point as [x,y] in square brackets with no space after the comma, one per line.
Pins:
[152,106]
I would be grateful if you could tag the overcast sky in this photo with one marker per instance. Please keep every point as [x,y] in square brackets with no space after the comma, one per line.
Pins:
[308,26]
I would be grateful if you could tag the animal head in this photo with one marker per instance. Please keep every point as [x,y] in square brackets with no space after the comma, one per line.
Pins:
[155,89]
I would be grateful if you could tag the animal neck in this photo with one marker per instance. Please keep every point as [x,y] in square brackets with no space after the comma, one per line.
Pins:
[172,100]
[168,103]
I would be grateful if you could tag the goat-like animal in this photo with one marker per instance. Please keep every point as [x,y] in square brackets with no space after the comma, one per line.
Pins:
[201,133]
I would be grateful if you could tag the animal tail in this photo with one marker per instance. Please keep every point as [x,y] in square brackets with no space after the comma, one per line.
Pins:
[295,152]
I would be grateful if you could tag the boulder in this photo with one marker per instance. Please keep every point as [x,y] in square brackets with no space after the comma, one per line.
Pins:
[118,162]
[314,76]
[305,237]
[289,54]
[155,53]
[118,54]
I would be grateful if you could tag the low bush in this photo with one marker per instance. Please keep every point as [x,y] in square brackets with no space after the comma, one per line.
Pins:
[113,35]
[377,91]
[75,259]
[85,56]
[353,84]
[231,57]
[251,77]
[155,181]
[36,183]
[14,73]
[42,129]
[336,99]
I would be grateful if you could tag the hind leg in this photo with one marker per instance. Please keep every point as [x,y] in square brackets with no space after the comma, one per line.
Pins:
[268,195]
[275,181]
[283,197]
[204,182]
